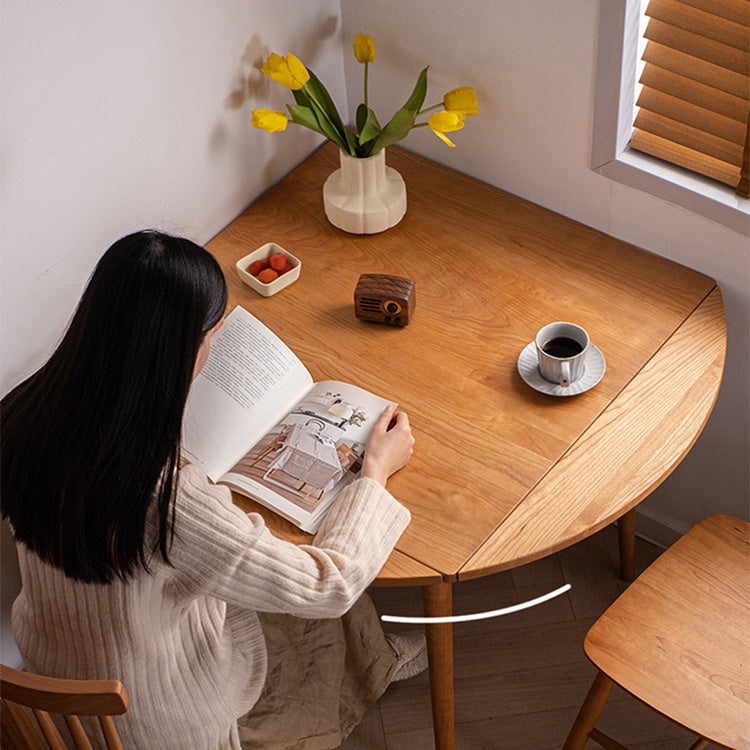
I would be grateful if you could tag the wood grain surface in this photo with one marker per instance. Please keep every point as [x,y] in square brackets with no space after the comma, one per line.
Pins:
[627,452]
[83,697]
[489,269]
[678,638]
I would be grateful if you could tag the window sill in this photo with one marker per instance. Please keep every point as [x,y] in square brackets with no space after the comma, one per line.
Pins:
[616,84]
[681,187]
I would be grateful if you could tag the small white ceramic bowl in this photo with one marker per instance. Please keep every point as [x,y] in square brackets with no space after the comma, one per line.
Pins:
[276,285]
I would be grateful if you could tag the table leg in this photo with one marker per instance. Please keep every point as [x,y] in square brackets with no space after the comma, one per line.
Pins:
[438,602]
[626,536]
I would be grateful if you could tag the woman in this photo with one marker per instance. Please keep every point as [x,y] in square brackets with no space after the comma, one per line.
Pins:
[134,568]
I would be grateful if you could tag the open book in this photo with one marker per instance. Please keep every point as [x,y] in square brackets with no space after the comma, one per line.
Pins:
[256,421]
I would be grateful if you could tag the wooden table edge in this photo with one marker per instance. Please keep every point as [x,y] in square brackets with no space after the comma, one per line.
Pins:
[400,569]
[403,570]
[481,563]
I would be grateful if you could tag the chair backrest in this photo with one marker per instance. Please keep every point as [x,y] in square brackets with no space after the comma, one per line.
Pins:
[27,700]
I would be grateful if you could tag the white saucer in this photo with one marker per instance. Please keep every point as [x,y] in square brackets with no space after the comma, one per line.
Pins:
[528,368]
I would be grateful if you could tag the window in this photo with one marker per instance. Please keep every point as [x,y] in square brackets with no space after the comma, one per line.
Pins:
[694,105]
[628,154]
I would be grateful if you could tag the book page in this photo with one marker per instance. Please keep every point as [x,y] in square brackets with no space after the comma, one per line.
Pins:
[251,378]
[311,453]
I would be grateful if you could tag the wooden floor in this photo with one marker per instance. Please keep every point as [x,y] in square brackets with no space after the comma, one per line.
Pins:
[520,679]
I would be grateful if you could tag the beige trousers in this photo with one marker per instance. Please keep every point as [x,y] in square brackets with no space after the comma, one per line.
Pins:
[323,676]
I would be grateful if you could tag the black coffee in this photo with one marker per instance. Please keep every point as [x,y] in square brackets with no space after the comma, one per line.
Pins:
[562,347]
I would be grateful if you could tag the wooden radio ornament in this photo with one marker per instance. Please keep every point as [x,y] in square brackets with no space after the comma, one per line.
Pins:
[381,298]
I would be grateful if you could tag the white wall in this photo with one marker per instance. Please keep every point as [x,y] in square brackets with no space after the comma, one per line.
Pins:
[533,64]
[129,114]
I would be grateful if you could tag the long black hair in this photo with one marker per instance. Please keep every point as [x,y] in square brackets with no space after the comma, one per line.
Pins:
[92,438]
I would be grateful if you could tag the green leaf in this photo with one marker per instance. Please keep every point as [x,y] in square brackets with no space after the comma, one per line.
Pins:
[403,121]
[319,95]
[367,124]
[361,118]
[397,129]
[301,97]
[329,131]
[351,141]
[303,115]
[328,117]
[416,100]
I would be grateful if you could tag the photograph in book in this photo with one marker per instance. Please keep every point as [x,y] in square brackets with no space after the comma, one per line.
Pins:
[256,421]
[307,457]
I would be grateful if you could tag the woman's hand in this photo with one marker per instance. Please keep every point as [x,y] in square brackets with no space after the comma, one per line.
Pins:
[390,446]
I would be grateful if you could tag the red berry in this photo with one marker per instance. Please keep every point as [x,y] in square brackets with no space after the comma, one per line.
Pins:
[287,267]
[277,261]
[257,266]
[267,275]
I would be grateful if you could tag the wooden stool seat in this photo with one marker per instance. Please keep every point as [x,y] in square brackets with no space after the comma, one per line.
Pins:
[678,639]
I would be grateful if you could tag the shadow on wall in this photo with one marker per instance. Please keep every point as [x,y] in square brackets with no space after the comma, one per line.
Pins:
[251,84]
[268,158]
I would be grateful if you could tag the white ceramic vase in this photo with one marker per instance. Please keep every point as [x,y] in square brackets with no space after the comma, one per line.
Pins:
[364,196]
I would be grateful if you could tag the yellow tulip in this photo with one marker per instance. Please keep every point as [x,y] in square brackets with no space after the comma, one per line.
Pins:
[270,120]
[286,70]
[463,99]
[364,48]
[446,122]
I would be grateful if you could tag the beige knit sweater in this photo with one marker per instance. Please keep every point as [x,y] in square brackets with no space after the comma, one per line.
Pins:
[185,640]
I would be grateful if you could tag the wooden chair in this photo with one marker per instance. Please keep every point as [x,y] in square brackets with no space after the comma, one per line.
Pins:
[274,445]
[678,639]
[26,701]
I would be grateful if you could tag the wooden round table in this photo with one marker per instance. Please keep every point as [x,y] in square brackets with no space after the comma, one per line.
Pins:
[502,474]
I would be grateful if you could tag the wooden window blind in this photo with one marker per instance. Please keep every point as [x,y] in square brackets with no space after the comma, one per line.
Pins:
[694,107]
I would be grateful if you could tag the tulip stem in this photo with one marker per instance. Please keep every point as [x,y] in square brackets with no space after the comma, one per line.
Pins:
[344,145]
[429,109]
[367,67]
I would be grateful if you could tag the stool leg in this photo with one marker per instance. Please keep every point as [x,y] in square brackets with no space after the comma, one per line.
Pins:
[626,537]
[589,713]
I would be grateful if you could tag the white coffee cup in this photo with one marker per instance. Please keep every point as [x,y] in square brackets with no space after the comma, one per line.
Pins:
[561,351]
